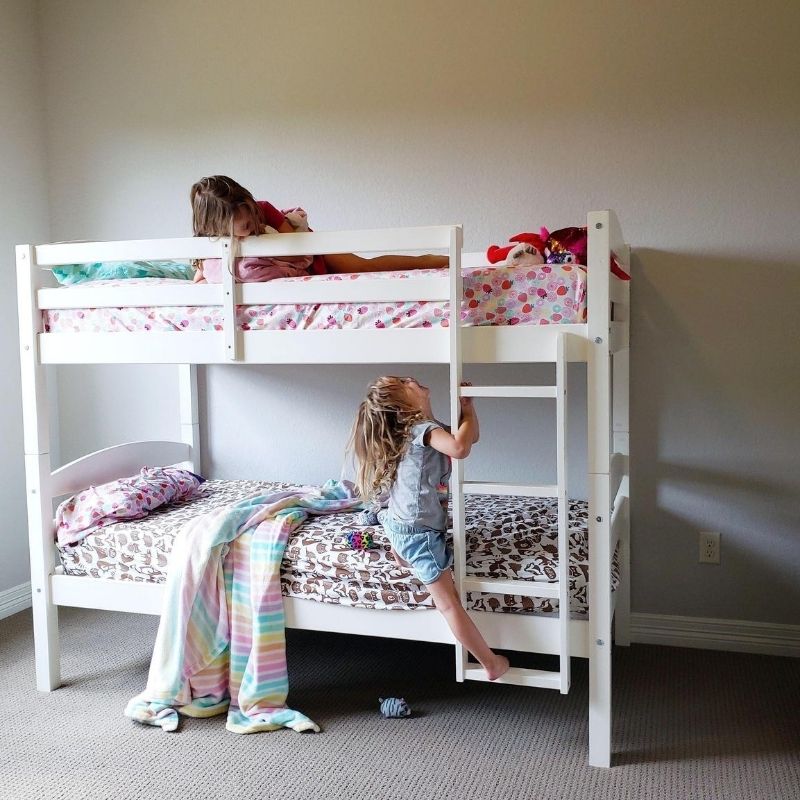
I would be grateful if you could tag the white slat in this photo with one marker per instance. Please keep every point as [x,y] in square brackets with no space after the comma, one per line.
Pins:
[133,250]
[508,391]
[510,489]
[500,586]
[284,244]
[377,240]
[542,678]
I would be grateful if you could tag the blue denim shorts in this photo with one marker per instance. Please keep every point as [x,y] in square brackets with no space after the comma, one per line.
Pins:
[425,549]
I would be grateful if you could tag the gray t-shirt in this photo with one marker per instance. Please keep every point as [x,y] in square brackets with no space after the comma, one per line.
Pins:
[420,491]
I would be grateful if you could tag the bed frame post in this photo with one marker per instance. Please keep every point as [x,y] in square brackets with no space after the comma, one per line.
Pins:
[35,420]
[599,458]
[621,436]
[229,297]
[190,420]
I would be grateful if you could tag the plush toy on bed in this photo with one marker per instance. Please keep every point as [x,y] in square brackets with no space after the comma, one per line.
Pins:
[368,517]
[359,540]
[527,250]
[565,246]
[570,245]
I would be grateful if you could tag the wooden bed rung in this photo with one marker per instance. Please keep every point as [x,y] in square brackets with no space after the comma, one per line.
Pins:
[500,586]
[508,391]
[543,678]
[510,489]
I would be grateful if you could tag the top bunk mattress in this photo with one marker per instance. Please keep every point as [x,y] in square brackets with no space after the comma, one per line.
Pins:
[545,294]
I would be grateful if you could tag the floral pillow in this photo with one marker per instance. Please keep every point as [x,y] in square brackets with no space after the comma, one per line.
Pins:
[126,498]
[68,274]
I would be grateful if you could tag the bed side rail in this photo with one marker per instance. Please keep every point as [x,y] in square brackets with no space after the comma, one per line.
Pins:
[284,244]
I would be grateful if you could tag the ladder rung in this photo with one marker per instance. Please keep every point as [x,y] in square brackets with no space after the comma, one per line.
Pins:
[509,489]
[500,586]
[546,679]
[508,391]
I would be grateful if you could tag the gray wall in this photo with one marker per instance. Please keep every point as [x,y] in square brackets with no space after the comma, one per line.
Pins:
[23,218]
[502,116]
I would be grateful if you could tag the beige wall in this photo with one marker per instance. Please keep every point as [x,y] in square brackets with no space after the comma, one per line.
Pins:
[23,218]
[503,116]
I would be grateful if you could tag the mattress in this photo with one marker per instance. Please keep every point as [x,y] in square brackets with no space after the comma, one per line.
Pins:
[546,294]
[507,537]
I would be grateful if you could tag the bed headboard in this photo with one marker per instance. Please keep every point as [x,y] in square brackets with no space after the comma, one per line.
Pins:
[118,461]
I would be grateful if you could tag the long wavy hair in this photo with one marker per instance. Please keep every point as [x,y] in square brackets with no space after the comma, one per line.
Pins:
[380,435]
[215,201]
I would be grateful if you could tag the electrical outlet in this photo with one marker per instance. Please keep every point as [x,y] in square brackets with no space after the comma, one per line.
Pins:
[709,547]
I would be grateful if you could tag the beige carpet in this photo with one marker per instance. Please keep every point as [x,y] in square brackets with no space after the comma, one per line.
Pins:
[687,724]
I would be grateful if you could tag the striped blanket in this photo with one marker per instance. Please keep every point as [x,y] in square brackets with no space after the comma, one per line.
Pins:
[221,642]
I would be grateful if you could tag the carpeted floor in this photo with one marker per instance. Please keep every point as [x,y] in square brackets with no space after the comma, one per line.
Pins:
[687,724]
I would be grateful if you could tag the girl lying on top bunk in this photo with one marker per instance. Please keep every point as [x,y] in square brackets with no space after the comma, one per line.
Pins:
[222,207]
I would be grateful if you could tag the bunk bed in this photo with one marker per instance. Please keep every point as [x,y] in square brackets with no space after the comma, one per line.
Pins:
[601,342]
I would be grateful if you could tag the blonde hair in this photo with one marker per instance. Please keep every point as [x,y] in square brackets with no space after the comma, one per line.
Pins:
[215,201]
[380,435]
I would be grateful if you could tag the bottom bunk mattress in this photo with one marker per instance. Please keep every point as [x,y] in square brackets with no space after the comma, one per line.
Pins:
[507,537]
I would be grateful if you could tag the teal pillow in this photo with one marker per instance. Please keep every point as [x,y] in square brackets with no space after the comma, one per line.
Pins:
[68,274]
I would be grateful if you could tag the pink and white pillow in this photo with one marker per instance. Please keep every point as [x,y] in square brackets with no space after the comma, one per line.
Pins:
[126,498]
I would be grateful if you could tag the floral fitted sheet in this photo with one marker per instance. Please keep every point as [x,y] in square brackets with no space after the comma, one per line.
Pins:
[546,294]
[507,537]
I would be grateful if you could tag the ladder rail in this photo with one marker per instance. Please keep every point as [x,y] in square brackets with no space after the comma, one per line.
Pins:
[563,511]
[457,474]
[553,679]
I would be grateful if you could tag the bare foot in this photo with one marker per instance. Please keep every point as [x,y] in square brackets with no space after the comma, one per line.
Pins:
[497,668]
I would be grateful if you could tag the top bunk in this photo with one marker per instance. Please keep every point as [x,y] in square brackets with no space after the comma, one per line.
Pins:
[508,314]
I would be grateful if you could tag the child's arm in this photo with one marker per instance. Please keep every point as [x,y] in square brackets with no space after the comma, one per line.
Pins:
[458,444]
[468,407]
[286,227]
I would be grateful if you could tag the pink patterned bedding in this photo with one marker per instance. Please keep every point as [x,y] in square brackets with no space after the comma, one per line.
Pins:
[546,294]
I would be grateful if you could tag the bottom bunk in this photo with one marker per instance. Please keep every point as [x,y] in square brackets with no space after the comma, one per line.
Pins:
[327,585]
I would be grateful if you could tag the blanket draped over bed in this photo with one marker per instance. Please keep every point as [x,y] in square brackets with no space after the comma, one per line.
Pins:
[221,642]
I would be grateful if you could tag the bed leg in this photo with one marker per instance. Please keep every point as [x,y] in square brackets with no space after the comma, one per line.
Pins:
[600,703]
[599,622]
[46,641]
[42,555]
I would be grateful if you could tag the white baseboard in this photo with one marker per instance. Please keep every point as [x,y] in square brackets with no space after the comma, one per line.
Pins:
[15,599]
[716,634]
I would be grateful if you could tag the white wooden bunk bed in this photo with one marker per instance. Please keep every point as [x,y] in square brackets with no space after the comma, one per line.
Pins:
[601,343]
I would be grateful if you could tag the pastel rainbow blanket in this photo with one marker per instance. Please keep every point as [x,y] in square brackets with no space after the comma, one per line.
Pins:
[221,642]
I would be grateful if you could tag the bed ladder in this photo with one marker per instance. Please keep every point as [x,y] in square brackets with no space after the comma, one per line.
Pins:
[551,679]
